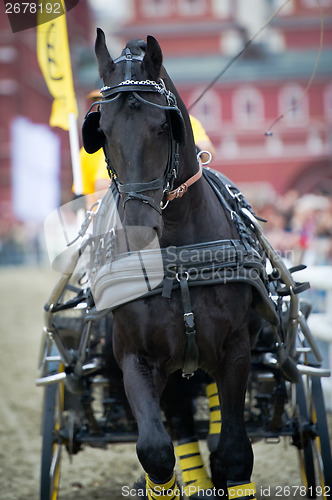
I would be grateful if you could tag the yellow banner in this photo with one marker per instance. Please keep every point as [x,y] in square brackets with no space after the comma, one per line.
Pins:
[54,60]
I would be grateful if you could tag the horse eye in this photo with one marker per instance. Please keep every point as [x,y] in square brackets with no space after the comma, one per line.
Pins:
[164,128]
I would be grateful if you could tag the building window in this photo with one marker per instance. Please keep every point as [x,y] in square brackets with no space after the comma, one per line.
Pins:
[230,42]
[192,7]
[293,105]
[8,86]
[248,106]
[207,110]
[328,103]
[222,9]
[153,8]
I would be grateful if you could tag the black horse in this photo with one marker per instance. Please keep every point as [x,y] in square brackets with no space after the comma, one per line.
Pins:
[145,130]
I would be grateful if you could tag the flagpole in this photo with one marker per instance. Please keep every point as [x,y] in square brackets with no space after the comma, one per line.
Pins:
[75,154]
[53,55]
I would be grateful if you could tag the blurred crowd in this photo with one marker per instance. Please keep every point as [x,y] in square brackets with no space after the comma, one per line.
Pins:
[22,244]
[299,226]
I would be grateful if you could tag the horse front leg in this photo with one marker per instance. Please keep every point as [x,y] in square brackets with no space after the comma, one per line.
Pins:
[144,384]
[178,405]
[232,462]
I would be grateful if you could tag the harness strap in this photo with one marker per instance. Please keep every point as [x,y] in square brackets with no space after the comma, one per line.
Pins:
[179,191]
[140,187]
[145,199]
[128,57]
[191,356]
[243,231]
[133,191]
[169,107]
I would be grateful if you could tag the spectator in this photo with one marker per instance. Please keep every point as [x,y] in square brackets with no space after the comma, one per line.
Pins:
[300,227]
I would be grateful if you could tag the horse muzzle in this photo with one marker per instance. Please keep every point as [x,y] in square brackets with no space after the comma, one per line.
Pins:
[141,237]
[142,223]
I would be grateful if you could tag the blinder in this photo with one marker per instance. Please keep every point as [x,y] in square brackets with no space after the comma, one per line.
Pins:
[92,135]
[94,138]
[178,128]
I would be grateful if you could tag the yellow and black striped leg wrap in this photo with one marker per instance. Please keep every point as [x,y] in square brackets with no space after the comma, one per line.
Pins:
[194,474]
[215,416]
[241,491]
[162,491]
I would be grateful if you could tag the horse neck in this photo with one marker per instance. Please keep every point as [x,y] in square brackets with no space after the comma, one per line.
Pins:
[196,217]
[188,164]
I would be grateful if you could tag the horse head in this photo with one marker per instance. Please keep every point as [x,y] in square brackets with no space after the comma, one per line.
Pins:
[141,127]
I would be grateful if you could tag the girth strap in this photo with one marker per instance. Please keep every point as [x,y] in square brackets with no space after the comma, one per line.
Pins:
[191,356]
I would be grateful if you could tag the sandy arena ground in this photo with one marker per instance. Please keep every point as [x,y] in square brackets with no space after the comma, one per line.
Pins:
[93,474]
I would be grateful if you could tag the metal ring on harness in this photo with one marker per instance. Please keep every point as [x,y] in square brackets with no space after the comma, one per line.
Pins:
[205,152]
[183,276]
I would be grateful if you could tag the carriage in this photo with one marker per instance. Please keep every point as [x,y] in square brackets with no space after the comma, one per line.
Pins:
[85,403]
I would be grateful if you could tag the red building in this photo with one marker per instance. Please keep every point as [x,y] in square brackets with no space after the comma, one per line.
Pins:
[199,38]
[23,93]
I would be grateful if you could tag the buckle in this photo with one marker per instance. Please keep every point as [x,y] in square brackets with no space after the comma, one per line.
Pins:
[189,320]
[237,195]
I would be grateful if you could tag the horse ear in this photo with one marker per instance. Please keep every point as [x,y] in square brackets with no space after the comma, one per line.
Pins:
[153,58]
[105,62]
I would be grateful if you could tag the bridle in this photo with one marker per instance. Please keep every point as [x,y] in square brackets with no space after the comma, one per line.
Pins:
[134,191]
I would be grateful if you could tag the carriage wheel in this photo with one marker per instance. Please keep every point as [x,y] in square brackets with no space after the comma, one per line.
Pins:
[51,442]
[314,453]
[321,444]
[305,451]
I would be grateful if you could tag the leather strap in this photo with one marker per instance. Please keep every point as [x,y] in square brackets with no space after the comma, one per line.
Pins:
[140,187]
[191,357]
[179,191]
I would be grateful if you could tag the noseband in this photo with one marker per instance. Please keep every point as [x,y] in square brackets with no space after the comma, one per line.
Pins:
[134,191]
